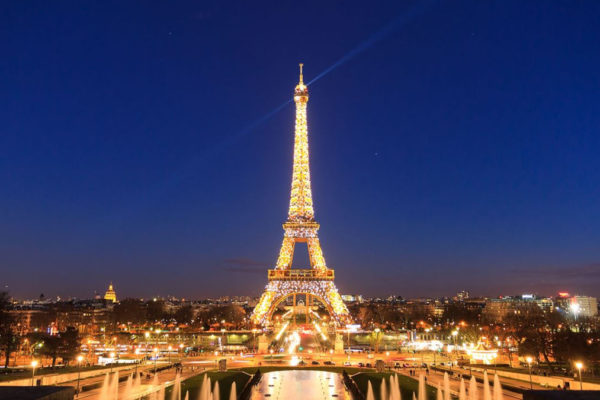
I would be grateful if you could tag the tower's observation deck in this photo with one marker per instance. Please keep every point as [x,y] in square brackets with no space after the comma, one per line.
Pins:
[300,227]
[300,274]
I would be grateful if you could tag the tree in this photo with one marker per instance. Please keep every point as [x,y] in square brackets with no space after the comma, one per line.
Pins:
[457,312]
[535,330]
[9,339]
[69,345]
[230,313]
[184,314]
[50,347]
[65,345]
[129,311]
[155,311]
[571,347]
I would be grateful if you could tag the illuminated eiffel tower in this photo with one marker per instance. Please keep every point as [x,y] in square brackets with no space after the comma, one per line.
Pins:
[285,282]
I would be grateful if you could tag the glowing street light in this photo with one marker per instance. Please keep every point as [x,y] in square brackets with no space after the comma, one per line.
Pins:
[254,340]
[377,330]
[34,364]
[575,309]
[579,365]
[529,361]
[112,360]
[79,360]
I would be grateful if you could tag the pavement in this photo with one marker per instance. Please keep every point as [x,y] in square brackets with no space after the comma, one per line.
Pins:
[166,377]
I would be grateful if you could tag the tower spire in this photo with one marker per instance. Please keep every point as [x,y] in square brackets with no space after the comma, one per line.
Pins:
[301,205]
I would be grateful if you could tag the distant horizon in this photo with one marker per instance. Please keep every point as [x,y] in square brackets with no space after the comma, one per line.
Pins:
[215,297]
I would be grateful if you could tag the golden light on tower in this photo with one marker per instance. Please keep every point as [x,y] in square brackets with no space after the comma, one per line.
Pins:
[316,282]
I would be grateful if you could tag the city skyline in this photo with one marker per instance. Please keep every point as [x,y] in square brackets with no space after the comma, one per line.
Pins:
[159,159]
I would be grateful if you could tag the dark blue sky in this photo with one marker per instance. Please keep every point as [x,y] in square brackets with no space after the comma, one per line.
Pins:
[459,149]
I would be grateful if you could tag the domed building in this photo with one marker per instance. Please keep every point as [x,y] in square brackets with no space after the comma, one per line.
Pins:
[110,294]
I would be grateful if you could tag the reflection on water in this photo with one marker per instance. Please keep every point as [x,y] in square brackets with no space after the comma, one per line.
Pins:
[300,385]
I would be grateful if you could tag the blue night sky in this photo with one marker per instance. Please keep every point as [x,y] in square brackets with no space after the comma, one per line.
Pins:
[456,146]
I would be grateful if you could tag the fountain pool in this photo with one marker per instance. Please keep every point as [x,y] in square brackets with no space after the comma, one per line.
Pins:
[300,384]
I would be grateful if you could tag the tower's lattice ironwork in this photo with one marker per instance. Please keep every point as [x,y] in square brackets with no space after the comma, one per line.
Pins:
[316,282]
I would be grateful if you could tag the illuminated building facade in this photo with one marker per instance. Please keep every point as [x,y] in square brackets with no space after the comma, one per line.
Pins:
[578,306]
[110,294]
[300,227]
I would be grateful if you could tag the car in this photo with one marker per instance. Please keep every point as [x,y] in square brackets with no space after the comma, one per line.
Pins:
[301,363]
[369,365]
[328,363]
[361,364]
[347,363]
[315,363]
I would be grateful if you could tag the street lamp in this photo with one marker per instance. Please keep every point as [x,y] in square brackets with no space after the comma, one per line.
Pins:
[579,365]
[34,364]
[454,334]
[112,360]
[155,358]
[574,309]
[529,360]
[349,349]
[137,360]
[79,360]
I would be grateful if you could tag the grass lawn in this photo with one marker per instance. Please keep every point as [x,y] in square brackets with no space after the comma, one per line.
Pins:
[225,380]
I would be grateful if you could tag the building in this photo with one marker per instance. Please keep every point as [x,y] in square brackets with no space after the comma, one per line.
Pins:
[352,298]
[110,294]
[462,295]
[498,309]
[577,306]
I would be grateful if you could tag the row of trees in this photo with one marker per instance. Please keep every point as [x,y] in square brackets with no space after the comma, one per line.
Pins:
[549,336]
[391,316]
[137,312]
[64,345]
[9,340]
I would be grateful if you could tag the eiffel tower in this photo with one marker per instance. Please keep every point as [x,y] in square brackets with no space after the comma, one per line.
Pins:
[316,282]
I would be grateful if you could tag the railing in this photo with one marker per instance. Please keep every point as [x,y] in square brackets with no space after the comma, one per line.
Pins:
[301,274]
[247,390]
[352,386]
